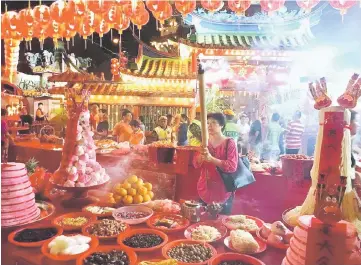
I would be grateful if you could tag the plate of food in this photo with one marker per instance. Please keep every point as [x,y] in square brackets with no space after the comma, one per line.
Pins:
[276,235]
[34,235]
[234,259]
[105,229]
[74,221]
[168,223]
[187,252]
[69,247]
[208,231]
[243,242]
[99,209]
[245,222]
[132,215]
[108,255]
[164,206]
[142,240]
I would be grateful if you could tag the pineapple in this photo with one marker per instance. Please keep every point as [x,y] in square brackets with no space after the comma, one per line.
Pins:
[31,165]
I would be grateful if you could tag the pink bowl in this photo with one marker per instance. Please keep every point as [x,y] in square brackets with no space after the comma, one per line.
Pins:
[136,208]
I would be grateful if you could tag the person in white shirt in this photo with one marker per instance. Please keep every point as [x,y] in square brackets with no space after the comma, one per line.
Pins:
[243,133]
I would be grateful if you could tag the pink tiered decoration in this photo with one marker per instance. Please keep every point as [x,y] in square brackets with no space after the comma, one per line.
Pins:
[78,167]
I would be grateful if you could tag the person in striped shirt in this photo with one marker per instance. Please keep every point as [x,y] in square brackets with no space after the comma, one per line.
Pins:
[293,134]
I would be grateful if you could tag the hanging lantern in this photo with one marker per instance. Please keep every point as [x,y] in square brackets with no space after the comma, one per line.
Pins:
[270,6]
[164,14]
[99,6]
[85,30]
[42,15]
[68,35]
[112,15]
[102,28]
[55,31]
[39,32]
[239,6]
[212,5]
[26,17]
[141,19]
[307,4]
[185,7]
[122,23]
[57,11]
[114,66]
[79,7]
[132,10]
[342,5]
[156,5]
[10,21]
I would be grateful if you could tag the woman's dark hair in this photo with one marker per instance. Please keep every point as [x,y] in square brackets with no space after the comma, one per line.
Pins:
[125,112]
[184,117]
[353,115]
[219,117]
[104,111]
[275,117]
[3,112]
[256,126]
[135,123]
[229,117]
[40,104]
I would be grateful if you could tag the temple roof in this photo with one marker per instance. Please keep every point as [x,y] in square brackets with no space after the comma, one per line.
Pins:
[164,68]
[73,77]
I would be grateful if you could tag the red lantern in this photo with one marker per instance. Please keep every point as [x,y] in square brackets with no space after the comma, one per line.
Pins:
[122,23]
[10,21]
[90,19]
[55,31]
[271,5]
[342,5]
[79,7]
[212,5]
[156,5]
[185,6]
[102,29]
[99,6]
[307,4]
[239,6]
[57,11]
[164,14]
[42,15]
[112,15]
[26,17]
[39,31]
[131,11]
[141,19]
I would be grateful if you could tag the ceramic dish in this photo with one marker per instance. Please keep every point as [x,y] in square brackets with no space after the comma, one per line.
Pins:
[173,244]
[262,246]
[85,231]
[182,222]
[235,257]
[131,233]
[280,246]
[130,253]
[12,235]
[90,218]
[216,224]
[135,221]
[45,250]
[107,214]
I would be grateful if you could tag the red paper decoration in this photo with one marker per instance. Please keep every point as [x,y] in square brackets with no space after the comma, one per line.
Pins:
[156,5]
[57,11]
[133,12]
[212,5]
[26,17]
[55,30]
[342,5]
[307,4]
[10,25]
[164,14]
[42,16]
[99,6]
[79,7]
[271,5]
[102,28]
[185,7]
[239,6]
[122,23]
[141,19]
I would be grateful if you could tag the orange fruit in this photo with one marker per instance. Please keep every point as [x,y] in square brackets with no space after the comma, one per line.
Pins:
[118,198]
[128,200]
[126,185]
[122,192]
[117,186]
[142,191]
[132,179]
[146,198]
[138,199]
[135,186]
[132,191]
[148,186]
[151,194]
[140,182]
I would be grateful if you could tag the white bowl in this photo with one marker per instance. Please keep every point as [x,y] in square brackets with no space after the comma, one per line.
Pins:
[135,208]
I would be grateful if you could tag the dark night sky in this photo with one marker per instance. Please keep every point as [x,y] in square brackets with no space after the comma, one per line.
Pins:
[331,32]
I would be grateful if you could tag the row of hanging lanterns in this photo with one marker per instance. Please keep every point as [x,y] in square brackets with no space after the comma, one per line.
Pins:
[66,19]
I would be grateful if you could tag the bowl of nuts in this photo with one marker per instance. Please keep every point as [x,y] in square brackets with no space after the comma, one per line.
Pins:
[105,229]
[74,221]
[188,252]
[142,240]
[133,215]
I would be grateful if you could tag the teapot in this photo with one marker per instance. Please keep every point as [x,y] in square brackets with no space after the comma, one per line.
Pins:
[193,210]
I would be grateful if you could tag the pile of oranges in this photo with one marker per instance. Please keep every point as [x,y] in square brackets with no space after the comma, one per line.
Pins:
[133,191]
